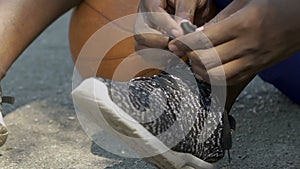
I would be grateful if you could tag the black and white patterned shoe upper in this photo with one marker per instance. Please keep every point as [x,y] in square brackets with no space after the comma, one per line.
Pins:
[175,110]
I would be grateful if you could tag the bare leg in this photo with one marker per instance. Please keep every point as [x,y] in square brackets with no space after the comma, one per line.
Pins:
[22,21]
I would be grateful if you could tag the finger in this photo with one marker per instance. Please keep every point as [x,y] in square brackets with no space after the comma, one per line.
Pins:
[152,40]
[200,72]
[208,58]
[164,22]
[185,10]
[146,36]
[212,35]
[235,71]
[224,30]
[157,18]
[219,55]
[232,73]
[192,41]
[225,26]
[142,25]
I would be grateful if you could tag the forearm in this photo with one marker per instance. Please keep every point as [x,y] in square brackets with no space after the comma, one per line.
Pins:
[21,21]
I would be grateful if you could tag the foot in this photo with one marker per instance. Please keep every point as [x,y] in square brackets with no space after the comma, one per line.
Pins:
[167,107]
[3,128]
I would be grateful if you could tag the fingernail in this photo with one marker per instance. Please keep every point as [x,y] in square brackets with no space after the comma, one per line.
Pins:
[175,33]
[200,29]
[173,47]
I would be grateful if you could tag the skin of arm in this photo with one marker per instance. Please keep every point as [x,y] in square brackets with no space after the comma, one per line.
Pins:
[21,21]
[254,37]
[248,36]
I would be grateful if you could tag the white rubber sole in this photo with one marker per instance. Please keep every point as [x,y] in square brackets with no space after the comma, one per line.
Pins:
[3,134]
[3,128]
[93,94]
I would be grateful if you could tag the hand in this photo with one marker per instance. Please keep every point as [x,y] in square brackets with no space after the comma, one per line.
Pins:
[250,36]
[154,29]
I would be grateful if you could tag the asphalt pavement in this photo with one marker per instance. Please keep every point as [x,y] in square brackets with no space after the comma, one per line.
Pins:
[45,132]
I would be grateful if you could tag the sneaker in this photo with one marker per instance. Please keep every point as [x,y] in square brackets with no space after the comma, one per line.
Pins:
[172,119]
[3,128]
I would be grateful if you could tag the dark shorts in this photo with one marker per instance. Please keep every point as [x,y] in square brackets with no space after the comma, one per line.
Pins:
[285,75]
